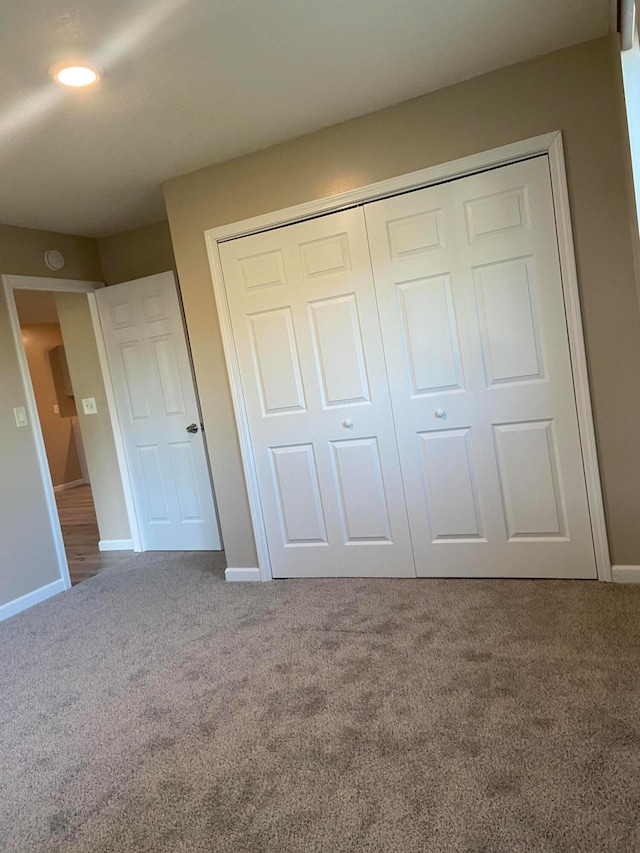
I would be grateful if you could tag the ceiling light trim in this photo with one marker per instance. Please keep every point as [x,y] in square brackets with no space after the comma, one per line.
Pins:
[75,74]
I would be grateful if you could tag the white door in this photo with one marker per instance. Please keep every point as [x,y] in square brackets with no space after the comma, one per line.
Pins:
[307,333]
[158,413]
[472,314]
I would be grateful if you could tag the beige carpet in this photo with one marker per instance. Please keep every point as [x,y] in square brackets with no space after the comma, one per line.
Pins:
[156,708]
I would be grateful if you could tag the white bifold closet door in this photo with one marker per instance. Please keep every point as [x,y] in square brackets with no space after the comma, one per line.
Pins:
[405,367]
[471,306]
[307,333]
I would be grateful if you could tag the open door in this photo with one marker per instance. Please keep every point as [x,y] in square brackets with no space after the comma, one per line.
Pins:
[159,415]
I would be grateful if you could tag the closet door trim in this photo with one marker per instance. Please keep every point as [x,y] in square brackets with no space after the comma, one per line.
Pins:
[549,144]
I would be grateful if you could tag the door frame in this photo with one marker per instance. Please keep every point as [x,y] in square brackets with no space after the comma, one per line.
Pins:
[549,144]
[62,285]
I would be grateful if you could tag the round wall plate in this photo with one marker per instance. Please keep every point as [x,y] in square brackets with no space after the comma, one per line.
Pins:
[54,259]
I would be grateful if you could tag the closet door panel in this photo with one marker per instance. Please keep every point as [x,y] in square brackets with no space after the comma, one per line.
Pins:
[472,314]
[526,401]
[306,328]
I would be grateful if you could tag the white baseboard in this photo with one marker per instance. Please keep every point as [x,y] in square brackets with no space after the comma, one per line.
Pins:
[625,574]
[64,486]
[31,598]
[242,574]
[115,545]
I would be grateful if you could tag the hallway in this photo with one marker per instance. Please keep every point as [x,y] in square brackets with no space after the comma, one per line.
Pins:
[80,533]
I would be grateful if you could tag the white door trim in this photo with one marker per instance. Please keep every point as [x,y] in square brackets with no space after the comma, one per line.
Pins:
[62,285]
[549,144]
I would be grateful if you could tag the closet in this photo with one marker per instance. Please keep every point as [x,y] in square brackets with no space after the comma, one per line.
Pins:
[407,380]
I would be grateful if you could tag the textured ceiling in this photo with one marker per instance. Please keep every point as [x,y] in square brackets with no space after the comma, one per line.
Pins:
[188,83]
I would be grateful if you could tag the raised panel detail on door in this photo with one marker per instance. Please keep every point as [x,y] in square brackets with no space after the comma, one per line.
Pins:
[509,321]
[338,349]
[154,307]
[497,215]
[275,357]
[152,479]
[184,471]
[430,335]
[164,355]
[365,515]
[530,480]
[265,270]
[451,488]
[122,315]
[296,486]
[328,255]
[410,235]
[135,386]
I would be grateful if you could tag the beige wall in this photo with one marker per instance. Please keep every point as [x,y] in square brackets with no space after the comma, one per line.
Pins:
[97,435]
[22,253]
[574,90]
[57,430]
[138,253]
[27,556]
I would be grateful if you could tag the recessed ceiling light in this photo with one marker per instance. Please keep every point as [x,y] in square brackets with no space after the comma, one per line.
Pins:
[76,75]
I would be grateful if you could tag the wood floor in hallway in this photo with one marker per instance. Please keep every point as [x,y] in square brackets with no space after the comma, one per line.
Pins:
[80,533]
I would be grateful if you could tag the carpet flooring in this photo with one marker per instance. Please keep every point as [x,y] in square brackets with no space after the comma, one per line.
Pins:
[156,708]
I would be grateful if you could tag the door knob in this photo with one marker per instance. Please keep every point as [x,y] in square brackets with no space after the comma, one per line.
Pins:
[348,424]
[192,428]
[440,413]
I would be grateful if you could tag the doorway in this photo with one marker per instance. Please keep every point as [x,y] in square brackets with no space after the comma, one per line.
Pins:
[99,507]
[62,357]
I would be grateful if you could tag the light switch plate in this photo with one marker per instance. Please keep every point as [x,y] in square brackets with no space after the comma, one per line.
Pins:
[56,409]
[89,406]
[20,414]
